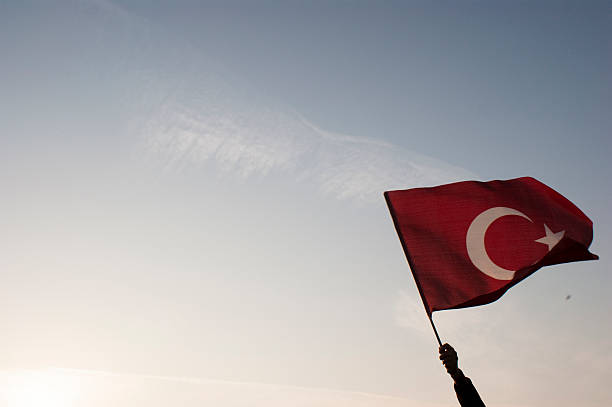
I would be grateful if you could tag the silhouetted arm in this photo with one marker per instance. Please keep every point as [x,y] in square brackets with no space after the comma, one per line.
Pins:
[465,390]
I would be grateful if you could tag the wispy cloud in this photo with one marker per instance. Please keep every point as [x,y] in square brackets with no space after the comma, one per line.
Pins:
[92,388]
[77,387]
[410,314]
[190,128]
[188,113]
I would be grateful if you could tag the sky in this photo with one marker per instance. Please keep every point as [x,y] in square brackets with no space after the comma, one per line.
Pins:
[192,207]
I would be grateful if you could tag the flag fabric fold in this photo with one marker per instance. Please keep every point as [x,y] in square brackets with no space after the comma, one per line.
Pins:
[468,242]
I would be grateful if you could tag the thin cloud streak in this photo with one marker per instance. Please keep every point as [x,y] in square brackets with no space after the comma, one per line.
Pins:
[187,130]
[200,380]
[82,387]
[186,112]
[122,389]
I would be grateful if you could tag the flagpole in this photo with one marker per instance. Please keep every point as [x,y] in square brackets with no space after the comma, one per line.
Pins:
[416,280]
[435,330]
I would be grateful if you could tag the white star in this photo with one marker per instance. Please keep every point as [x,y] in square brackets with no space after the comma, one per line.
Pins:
[551,239]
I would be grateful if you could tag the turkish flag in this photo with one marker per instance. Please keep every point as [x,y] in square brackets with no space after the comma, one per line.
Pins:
[468,242]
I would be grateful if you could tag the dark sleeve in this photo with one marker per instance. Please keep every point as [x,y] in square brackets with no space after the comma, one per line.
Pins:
[467,394]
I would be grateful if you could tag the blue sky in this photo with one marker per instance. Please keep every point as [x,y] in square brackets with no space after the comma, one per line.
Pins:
[193,194]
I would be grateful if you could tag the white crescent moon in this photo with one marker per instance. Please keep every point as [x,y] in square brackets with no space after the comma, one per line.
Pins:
[475,241]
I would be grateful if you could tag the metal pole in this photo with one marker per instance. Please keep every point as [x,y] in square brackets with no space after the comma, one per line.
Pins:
[434,328]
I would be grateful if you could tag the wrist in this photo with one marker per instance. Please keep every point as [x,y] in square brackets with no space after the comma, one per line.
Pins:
[457,375]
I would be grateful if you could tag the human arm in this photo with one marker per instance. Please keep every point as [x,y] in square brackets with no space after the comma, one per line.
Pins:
[465,390]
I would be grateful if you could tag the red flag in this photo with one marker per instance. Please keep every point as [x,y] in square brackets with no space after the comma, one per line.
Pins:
[468,242]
